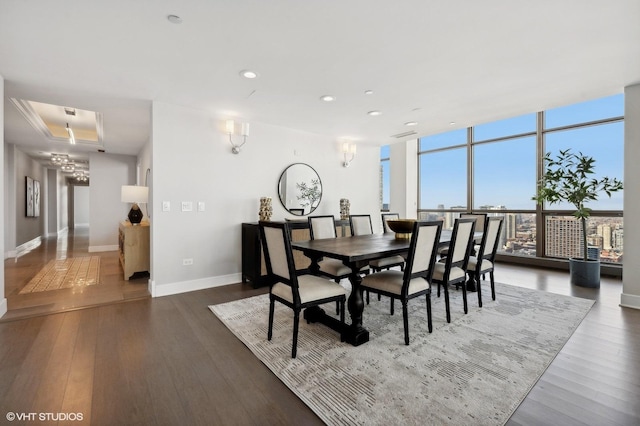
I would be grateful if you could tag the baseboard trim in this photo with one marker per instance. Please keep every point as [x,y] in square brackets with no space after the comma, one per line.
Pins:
[193,285]
[94,249]
[25,247]
[3,307]
[630,301]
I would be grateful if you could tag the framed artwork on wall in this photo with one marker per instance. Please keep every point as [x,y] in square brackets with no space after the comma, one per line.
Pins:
[29,196]
[36,198]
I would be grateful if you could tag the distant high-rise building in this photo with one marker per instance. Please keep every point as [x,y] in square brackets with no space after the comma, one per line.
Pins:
[618,237]
[510,226]
[595,241]
[563,237]
[605,232]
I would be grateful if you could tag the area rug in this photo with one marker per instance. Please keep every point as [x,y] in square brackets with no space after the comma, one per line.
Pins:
[65,273]
[473,371]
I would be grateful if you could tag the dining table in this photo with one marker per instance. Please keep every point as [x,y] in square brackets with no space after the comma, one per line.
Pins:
[355,252]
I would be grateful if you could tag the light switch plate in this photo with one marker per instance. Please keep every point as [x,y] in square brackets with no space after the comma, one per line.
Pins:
[166,206]
[187,206]
[200,206]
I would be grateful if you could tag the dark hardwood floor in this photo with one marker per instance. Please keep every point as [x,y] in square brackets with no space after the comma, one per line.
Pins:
[170,361]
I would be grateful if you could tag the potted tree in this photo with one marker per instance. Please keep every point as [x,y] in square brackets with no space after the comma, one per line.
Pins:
[569,177]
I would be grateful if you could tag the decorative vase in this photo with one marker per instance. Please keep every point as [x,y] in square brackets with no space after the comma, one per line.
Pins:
[265,209]
[344,208]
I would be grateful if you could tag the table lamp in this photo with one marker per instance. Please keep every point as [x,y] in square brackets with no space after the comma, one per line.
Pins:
[135,194]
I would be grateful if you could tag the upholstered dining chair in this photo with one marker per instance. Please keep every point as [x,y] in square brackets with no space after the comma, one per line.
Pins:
[296,292]
[321,227]
[361,225]
[386,217]
[452,269]
[484,260]
[480,220]
[415,280]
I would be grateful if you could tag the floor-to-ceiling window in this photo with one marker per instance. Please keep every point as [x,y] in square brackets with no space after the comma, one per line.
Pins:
[595,128]
[493,168]
[385,194]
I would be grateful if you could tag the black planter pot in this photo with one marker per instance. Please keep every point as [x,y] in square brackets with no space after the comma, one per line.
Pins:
[584,273]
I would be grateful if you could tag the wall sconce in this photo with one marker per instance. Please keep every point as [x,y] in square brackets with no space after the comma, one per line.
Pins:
[349,151]
[231,127]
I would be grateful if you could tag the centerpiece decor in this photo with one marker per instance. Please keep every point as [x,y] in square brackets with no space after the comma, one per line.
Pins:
[569,178]
[402,227]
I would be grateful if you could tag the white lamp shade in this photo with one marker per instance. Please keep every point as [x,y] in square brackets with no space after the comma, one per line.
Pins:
[231,127]
[135,194]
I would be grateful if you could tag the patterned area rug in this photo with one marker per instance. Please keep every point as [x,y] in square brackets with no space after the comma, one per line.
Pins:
[65,273]
[474,371]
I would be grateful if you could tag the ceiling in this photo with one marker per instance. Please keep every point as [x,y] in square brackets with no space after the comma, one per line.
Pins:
[432,62]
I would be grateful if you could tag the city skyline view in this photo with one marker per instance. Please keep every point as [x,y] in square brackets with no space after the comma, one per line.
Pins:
[504,176]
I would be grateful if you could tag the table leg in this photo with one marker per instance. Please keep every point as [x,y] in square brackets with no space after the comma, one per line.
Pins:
[352,333]
[471,283]
[356,334]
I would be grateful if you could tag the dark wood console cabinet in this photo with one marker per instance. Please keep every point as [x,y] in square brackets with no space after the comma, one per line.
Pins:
[253,264]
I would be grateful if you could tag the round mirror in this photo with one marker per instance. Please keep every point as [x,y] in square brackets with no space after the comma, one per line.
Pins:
[300,189]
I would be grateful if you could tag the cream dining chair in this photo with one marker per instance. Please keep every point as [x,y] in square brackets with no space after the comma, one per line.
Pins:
[452,269]
[484,260]
[295,292]
[415,280]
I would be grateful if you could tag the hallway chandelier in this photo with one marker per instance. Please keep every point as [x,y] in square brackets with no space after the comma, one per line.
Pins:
[59,159]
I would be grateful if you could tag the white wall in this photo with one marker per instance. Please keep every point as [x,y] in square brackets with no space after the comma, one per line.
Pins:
[3,300]
[8,199]
[63,202]
[81,205]
[631,267]
[192,161]
[52,203]
[106,210]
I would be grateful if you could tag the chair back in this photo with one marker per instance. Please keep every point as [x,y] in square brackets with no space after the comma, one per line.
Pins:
[276,243]
[480,218]
[360,224]
[490,238]
[422,251]
[461,243]
[385,218]
[322,227]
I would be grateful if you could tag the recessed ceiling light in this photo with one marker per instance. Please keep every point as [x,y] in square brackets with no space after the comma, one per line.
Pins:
[327,98]
[411,123]
[174,19]
[452,123]
[368,92]
[248,74]
[374,113]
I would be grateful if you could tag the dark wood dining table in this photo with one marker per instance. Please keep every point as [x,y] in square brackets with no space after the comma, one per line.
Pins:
[355,252]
